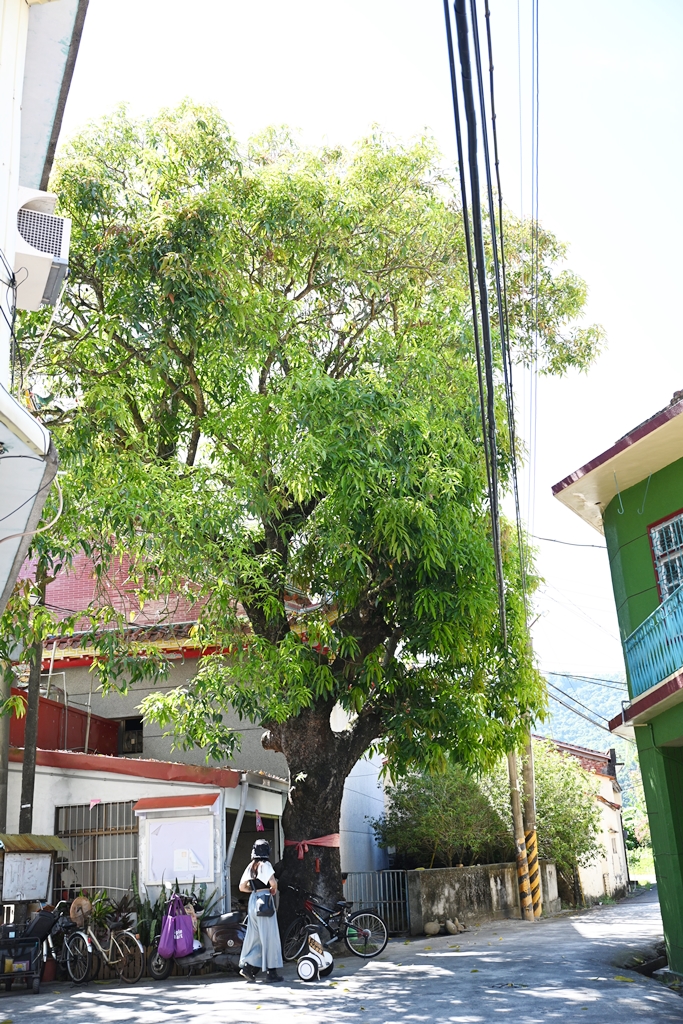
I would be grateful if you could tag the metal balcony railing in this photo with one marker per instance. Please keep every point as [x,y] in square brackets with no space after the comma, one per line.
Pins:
[654,651]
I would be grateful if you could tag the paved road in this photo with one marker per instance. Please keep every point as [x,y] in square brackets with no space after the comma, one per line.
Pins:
[559,970]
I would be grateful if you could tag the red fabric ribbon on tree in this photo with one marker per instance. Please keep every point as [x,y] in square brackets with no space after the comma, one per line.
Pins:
[303,844]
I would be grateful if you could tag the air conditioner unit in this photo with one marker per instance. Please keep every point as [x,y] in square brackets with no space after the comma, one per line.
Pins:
[42,251]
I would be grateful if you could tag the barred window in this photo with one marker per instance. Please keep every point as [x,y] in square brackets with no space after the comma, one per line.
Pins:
[667,550]
[102,843]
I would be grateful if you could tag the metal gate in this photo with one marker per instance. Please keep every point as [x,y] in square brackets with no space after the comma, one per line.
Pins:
[383,891]
[102,848]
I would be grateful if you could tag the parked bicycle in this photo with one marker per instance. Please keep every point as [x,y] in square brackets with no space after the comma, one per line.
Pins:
[364,932]
[56,945]
[124,953]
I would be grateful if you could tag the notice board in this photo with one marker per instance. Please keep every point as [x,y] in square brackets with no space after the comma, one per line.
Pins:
[26,876]
[180,848]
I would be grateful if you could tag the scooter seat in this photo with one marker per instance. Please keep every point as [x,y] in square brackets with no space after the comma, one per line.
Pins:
[210,922]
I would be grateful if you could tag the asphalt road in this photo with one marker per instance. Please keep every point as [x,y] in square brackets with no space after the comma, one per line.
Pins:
[555,970]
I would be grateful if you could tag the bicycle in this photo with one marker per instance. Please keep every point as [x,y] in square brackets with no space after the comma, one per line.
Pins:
[56,945]
[124,954]
[364,932]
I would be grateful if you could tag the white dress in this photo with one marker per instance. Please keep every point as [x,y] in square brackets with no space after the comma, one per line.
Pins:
[262,946]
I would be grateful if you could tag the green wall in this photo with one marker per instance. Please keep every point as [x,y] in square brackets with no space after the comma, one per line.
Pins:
[662,771]
[660,742]
[628,544]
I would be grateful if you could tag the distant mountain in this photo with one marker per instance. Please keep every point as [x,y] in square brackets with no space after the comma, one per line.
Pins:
[600,701]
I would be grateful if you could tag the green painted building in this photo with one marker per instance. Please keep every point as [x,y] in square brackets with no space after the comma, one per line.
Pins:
[633,493]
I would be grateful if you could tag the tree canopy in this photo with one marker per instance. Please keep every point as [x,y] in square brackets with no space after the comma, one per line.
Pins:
[453,817]
[261,382]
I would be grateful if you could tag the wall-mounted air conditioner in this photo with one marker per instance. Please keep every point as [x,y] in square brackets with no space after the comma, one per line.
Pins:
[42,252]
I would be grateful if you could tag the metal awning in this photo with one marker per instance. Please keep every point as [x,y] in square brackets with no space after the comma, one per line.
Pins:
[646,449]
[28,843]
[162,803]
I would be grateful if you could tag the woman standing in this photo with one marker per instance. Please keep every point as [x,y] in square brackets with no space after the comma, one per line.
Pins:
[261,950]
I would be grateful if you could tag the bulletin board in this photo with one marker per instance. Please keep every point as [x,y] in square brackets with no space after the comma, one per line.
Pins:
[26,876]
[180,848]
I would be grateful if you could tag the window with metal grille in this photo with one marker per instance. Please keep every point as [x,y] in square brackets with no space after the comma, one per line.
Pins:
[41,230]
[667,551]
[102,846]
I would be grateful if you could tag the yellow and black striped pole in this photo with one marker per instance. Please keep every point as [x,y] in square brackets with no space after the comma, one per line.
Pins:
[530,837]
[525,901]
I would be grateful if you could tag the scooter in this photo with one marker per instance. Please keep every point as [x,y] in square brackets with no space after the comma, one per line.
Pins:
[222,937]
[316,962]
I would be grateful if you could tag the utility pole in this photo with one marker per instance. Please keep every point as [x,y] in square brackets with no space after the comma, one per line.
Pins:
[530,837]
[28,774]
[5,690]
[520,846]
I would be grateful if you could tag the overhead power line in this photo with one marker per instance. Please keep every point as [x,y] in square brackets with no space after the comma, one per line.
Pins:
[576,700]
[569,543]
[609,684]
[581,715]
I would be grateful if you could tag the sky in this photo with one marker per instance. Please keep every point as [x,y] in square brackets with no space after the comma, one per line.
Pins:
[611,97]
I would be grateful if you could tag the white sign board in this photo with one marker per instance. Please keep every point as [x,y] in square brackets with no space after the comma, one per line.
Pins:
[179,848]
[26,876]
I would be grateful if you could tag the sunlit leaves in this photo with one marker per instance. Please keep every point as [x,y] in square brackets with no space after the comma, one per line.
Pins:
[262,385]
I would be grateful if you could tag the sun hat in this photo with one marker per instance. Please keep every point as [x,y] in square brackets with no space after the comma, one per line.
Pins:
[261,850]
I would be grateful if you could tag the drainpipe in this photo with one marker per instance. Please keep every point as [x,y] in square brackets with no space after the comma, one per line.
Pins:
[244,795]
[52,665]
[87,724]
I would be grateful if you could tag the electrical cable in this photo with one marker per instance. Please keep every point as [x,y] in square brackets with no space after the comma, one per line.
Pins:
[501,297]
[610,684]
[581,612]
[587,719]
[576,700]
[41,529]
[31,498]
[569,543]
[468,240]
[462,32]
[39,348]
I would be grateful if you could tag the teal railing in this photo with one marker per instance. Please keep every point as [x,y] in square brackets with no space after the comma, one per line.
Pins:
[654,651]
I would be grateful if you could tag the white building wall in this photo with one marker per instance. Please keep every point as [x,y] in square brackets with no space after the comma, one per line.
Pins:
[363,799]
[608,874]
[13,34]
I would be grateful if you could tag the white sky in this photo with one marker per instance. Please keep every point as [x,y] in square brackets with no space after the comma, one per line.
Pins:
[610,159]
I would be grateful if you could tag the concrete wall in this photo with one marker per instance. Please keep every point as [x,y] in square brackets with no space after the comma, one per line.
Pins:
[483,892]
[250,757]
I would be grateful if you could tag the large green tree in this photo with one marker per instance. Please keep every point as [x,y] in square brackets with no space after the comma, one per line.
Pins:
[262,383]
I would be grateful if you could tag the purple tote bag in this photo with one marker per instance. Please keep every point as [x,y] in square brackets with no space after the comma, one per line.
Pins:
[177,933]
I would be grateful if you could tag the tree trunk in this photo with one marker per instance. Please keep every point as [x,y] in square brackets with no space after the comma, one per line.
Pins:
[319,762]
[28,772]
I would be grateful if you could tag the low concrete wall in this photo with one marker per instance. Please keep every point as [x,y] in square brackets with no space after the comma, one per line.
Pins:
[483,892]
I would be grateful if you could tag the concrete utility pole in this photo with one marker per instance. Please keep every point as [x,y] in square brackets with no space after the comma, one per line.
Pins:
[530,838]
[520,846]
[5,689]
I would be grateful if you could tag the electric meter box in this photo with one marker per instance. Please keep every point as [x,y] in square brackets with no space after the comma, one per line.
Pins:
[42,251]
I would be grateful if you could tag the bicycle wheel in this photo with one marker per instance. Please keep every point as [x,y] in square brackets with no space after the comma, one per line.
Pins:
[295,939]
[78,958]
[366,934]
[129,959]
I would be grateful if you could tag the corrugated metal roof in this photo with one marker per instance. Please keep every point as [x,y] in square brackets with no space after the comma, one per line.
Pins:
[28,843]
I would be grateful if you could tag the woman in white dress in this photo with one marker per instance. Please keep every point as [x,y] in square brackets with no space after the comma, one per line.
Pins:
[262,950]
